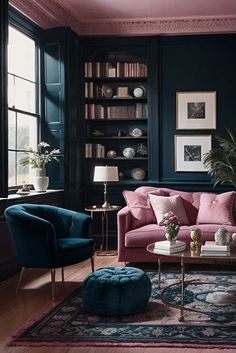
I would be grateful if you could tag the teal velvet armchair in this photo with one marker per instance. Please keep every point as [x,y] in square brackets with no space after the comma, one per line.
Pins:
[49,237]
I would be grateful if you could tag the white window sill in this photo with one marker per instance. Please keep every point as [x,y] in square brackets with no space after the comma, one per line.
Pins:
[32,193]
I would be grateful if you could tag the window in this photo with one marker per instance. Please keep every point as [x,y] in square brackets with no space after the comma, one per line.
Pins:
[23,107]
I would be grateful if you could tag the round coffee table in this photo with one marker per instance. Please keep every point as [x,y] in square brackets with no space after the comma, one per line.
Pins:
[188,256]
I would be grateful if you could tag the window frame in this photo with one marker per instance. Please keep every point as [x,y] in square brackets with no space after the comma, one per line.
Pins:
[27,27]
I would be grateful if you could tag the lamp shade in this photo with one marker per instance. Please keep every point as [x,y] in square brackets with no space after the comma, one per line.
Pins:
[105,173]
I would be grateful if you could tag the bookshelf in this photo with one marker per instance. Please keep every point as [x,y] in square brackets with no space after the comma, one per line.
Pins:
[116,117]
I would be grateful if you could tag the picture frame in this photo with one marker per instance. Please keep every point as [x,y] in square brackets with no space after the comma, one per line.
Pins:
[190,151]
[196,110]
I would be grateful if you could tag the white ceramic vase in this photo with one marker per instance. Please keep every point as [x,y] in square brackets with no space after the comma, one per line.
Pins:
[40,180]
[170,237]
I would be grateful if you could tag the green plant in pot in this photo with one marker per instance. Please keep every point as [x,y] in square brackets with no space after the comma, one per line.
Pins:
[38,159]
[221,162]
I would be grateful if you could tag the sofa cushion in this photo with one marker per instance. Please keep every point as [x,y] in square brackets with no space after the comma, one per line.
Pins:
[191,202]
[145,235]
[216,209]
[163,204]
[140,208]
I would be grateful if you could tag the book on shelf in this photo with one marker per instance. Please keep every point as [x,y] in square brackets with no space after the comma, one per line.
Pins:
[168,247]
[118,69]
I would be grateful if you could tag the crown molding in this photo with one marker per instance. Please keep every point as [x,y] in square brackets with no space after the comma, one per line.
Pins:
[48,14]
[160,26]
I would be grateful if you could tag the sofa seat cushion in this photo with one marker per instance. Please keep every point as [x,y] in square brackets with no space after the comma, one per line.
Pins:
[216,208]
[143,236]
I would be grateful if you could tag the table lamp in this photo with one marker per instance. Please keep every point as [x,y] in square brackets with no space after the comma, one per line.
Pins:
[105,174]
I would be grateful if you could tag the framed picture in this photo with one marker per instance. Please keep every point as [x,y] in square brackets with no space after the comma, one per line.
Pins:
[195,110]
[189,152]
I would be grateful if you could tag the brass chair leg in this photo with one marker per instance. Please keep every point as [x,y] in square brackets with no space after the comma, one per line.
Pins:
[62,274]
[20,279]
[53,272]
[92,263]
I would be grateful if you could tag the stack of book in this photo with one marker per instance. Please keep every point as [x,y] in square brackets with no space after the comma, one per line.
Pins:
[166,248]
[210,248]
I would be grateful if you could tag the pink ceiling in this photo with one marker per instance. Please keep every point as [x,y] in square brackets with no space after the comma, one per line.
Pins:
[133,17]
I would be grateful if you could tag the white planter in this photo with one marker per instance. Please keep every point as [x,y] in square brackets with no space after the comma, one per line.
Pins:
[40,183]
[40,180]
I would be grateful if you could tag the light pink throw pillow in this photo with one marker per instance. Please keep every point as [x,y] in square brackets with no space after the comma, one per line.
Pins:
[216,209]
[140,208]
[164,204]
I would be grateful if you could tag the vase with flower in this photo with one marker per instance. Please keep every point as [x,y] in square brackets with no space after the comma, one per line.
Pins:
[38,159]
[171,226]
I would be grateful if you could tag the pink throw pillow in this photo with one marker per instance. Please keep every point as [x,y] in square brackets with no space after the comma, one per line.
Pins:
[140,208]
[216,209]
[163,204]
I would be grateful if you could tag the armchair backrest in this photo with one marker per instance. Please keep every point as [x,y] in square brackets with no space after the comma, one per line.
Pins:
[35,228]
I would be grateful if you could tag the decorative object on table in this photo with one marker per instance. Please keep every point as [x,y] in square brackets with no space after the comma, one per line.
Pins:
[195,110]
[139,92]
[168,247]
[190,151]
[234,237]
[211,248]
[195,235]
[105,174]
[25,190]
[142,150]
[38,160]
[222,236]
[171,226]
[111,154]
[220,162]
[129,152]
[136,132]
[138,174]
[107,91]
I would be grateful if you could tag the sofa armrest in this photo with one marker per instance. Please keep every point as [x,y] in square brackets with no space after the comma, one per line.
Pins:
[124,224]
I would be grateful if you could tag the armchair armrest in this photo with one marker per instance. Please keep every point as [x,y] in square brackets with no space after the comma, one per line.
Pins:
[124,224]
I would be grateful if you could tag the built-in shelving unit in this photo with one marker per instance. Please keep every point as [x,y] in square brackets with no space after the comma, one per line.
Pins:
[116,116]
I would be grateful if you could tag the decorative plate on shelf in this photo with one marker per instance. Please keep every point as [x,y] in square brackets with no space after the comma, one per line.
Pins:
[107,91]
[128,152]
[136,132]
[139,92]
[138,174]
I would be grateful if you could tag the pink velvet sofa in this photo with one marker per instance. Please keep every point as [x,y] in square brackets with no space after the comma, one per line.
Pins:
[137,224]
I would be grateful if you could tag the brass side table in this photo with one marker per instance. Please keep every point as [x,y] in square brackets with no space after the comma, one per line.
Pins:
[105,226]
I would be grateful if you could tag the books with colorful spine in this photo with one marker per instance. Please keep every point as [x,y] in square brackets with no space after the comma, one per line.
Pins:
[166,247]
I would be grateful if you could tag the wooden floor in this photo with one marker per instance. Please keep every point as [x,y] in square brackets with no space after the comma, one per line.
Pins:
[34,298]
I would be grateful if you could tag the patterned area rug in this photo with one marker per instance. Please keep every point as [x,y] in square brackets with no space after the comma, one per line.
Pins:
[212,325]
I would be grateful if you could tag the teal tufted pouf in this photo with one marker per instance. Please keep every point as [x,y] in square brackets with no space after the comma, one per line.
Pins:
[116,291]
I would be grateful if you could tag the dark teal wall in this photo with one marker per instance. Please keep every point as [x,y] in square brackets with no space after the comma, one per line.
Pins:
[194,63]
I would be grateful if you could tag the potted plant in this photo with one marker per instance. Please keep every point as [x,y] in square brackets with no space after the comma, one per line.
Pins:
[221,161]
[38,159]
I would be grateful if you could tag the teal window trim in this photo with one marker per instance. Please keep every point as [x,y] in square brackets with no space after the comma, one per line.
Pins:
[26,26]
